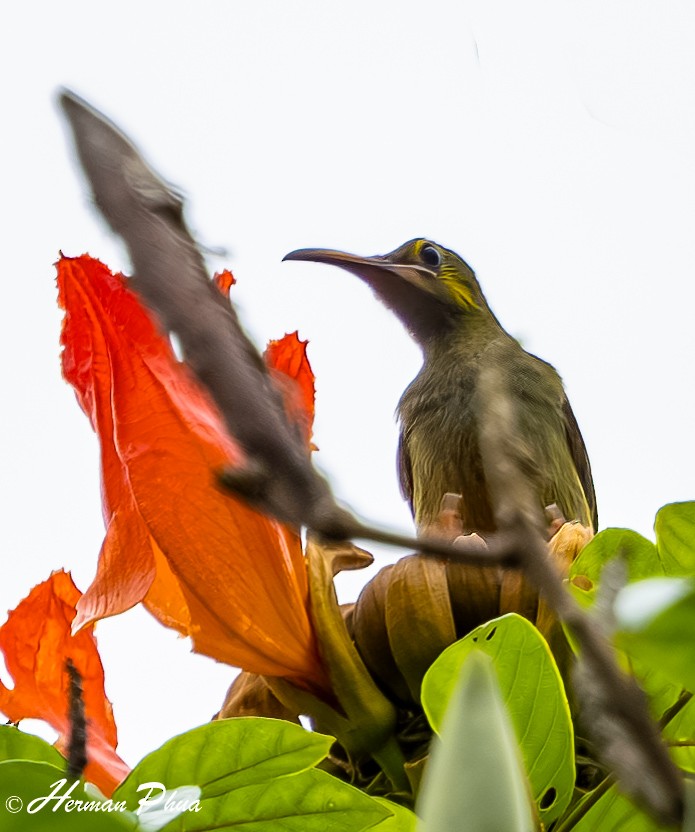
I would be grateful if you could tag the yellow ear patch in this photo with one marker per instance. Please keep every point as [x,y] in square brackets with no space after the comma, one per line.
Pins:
[457,287]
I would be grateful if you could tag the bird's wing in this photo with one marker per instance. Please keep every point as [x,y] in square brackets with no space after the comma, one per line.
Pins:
[405,470]
[580,459]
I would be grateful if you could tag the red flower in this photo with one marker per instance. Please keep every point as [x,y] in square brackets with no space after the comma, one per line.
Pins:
[201,561]
[36,642]
[293,371]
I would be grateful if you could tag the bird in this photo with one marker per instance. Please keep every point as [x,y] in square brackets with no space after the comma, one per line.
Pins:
[437,297]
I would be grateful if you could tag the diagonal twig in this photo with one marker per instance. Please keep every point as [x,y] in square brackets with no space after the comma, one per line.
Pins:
[77,738]
[170,276]
[279,478]
[614,707]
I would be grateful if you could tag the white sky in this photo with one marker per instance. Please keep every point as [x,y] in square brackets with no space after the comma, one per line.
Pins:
[552,144]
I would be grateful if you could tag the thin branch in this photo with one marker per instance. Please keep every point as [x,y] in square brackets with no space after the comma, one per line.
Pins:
[582,808]
[499,550]
[614,707]
[77,740]
[278,477]
[170,276]
[675,709]
[570,820]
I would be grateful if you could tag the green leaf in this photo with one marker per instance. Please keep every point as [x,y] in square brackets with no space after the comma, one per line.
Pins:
[401,820]
[656,622]
[534,694]
[253,774]
[613,812]
[18,745]
[675,538]
[414,770]
[22,785]
[660,690]
[643,560]
[225,755]
[637,605]
[311,801]
[616,813]
[672,556]
[640,555]
[475,778]
[682,729]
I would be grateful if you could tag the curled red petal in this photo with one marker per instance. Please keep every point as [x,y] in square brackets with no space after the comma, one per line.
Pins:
[288,356]
[37,642]
[224,281]
[204,563]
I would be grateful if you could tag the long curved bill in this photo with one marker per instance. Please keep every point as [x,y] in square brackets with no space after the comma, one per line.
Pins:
[334,257]
[372,270]
[410,289]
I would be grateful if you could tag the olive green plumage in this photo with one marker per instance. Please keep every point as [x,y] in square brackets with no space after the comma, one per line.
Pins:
[437,297]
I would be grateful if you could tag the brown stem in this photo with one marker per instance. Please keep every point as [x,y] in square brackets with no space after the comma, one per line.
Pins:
[615,708]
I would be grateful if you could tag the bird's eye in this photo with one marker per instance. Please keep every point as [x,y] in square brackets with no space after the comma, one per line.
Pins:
[430,256]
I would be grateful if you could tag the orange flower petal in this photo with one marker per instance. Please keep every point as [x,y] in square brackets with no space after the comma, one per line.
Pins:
[205,563]
[36,642]
[224,281]
[288,356]
[292,373]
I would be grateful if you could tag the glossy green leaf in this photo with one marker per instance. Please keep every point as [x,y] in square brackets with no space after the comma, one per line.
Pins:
[18,745]
[656,623]
[613,812]
[639,604]
[616,813]
[534,694]
[640,555]
[311,801]
[681,729]
[401,820]
[414,771]
[475,778]
[24,783]
[661,691]
[643,561]
[227,754]
[672,556]
[675,538]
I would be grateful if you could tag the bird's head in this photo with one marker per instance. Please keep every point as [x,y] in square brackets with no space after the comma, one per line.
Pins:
[429,287]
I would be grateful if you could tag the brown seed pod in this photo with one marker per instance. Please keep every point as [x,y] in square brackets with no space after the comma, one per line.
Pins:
[413,609]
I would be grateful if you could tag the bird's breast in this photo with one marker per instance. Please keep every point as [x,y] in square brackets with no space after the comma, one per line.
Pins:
[439,446]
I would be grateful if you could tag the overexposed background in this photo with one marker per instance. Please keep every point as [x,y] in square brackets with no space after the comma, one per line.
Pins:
[552,144]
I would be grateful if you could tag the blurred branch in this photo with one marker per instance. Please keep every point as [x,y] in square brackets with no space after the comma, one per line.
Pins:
[613,706]
[278,477]
[170,276]
[570,820]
